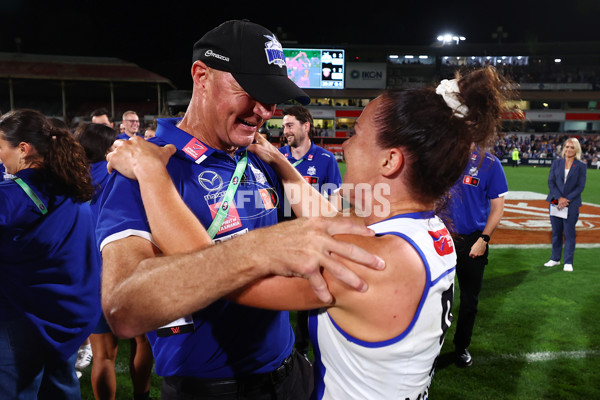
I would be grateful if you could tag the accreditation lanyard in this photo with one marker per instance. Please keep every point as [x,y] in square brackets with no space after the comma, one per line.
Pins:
[231,189]
[34,197]
[297,162]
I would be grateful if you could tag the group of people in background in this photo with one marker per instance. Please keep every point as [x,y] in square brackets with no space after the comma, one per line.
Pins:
[547,146]
[166,250]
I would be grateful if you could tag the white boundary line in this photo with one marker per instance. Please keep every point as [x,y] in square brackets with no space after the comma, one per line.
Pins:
[542,246]
[545,356]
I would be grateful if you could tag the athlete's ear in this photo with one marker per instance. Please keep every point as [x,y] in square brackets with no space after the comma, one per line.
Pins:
[392,162]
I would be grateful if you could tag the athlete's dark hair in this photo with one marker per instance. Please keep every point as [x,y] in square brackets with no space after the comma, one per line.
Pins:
[438,142]
[303,115]
[63,161]
[101,111]
[96,139]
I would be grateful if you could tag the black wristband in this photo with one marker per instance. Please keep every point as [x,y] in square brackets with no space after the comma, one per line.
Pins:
[486,238]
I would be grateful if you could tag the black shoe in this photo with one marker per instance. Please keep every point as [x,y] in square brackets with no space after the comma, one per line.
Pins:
[463,358]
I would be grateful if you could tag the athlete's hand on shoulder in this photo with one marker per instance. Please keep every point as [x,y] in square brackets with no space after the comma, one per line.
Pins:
[264,149]
[136,155]
[303,246]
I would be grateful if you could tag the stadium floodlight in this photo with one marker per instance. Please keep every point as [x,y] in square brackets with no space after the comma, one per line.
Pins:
[450,39]
[557,60]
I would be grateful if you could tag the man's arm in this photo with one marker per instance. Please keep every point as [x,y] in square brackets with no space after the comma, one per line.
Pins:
[141,297]
[496,212]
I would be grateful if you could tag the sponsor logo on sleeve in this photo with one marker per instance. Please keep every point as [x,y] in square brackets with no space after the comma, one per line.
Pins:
[442,241]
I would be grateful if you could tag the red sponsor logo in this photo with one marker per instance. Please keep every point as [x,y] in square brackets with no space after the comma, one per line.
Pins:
[232,221]
[194,149]
[266,199]
[176,330]
[442,241]
[310,157]
[470,180]
[312,180]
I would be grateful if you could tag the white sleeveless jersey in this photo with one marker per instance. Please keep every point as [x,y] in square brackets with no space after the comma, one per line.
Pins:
[401,367]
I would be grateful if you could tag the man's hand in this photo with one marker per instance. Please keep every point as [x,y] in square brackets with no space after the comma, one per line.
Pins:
[478,248]
[131,157]
[303,246]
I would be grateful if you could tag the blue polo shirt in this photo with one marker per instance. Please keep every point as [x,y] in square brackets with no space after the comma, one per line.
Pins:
[470,196]
[318,167]
[49,264]
[227,339]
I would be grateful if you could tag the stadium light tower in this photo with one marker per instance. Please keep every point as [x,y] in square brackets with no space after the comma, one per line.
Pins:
[449,38]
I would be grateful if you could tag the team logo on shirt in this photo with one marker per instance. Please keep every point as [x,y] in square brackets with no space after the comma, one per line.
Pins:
[210,180]
[311,170]
[473,171]
[258,175]
[442,241]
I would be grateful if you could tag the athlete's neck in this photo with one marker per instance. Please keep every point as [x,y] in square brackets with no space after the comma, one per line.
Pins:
[300,151]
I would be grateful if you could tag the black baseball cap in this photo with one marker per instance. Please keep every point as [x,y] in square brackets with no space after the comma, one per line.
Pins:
[254,56]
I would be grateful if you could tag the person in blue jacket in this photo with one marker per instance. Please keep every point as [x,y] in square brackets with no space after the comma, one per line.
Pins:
[566,182]
[98,140]
[48,263]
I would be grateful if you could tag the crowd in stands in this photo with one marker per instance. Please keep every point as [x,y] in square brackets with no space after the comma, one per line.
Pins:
[547,146]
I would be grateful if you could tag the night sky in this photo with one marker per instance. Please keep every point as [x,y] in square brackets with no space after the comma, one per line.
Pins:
[160,38]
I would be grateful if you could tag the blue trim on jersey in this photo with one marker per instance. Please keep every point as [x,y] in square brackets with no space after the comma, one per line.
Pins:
[428,285]
[449,271]
[319,369]
[414,215]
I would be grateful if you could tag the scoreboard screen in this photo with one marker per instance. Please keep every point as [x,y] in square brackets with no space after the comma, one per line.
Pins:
[316,68]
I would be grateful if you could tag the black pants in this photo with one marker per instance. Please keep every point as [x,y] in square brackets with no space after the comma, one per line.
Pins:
[302,335]
[298,385]
[469,272]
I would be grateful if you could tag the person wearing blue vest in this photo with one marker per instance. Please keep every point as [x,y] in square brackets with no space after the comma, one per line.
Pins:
[476,207]
[50,269]
[218,350]
[319,168]
[566,182]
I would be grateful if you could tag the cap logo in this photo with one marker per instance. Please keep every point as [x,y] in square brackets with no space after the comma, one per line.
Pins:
[210,53]
[274,51]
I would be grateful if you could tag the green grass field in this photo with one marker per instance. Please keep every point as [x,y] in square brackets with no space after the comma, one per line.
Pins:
[536,335]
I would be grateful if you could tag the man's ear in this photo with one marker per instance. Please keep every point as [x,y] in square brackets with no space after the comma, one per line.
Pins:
[199,72]
[392,162]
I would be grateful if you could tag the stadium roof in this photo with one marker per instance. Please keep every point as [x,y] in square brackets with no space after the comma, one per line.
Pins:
[39,66]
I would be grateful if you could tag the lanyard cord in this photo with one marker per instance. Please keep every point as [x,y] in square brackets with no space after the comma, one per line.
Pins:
[29,192]
[297,162]
[231,189]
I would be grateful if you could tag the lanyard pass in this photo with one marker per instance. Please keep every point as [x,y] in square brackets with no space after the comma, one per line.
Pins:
[231,189]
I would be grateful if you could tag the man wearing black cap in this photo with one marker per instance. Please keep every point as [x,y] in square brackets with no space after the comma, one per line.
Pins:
[224,350]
